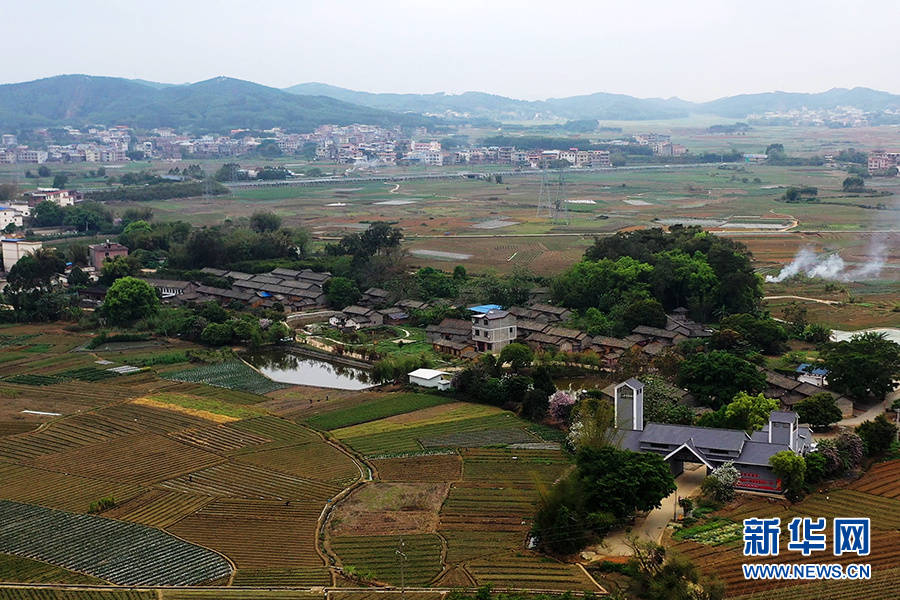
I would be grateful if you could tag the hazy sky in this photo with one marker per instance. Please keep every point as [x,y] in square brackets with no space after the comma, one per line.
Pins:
[698,50]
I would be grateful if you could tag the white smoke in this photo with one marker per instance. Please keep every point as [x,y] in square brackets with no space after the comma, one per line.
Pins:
[832,266]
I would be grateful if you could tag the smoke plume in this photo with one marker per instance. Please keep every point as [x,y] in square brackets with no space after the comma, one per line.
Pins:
[832,266]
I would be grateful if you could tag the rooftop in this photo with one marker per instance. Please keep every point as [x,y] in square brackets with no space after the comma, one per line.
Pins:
[427,373]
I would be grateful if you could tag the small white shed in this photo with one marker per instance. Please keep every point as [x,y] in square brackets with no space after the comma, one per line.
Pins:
[430,378]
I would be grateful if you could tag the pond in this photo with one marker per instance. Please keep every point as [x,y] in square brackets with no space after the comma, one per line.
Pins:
[282,365]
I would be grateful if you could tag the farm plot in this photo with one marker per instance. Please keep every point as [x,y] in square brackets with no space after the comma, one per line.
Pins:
[219,438]
[725,562]
[256,534]
[478,439]
[372,410]
[23,593]
[18,569]
[514,466]
[882,586]
[73,432]
[230,594]
[487,507]
[58,490]
[883,479]
[316,460]
[463,545]
[207,408]
[376,557]
[142,459]
[381,508]
[122,553]
[233,375]
[158,420]
[280,431]
[433,467]
[290,576]
[402,433]
[529,571]
[248,481]
[158,508]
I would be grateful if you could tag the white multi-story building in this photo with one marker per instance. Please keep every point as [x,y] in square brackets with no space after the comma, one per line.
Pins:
[14,249]
[9,216]
[494,330]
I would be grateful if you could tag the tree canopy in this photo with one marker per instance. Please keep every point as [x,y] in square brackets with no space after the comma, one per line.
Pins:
[865,365]
[716,377]
[129,299]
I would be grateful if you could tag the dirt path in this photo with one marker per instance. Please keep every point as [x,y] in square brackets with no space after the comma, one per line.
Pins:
[818,300]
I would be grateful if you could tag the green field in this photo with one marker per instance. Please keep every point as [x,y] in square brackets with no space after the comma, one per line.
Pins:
[382,407]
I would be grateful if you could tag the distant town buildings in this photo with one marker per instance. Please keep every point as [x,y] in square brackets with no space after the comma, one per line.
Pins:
[880,161]
[100,253]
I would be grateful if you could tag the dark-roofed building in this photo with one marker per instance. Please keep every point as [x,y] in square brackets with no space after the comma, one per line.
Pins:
[374,297]
[412,304]
[655,334]
[679,444]
[571,340]
[169,288]
[552,313]
[456,330]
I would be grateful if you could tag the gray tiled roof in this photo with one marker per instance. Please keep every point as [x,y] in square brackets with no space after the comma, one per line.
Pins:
[704,437]
[783,416]
[759,453]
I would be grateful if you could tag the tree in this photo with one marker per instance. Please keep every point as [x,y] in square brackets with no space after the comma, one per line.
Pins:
[517,355]
[790,468]
[31,286]
[602,284]
[44,171]
[853,184]
[717,376]
[129,299]
[764,334]
[748,412]
[820,410]
[866,364]
[217,334]
[264,221]
[60,180]
[621,481]
[47,214]
[877,435]
[719,485]
[118,267]
[644,311]
[77,278]
[9,192]
[662,403]
[341,292]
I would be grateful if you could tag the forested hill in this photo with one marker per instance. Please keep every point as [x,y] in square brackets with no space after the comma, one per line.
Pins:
[216,104]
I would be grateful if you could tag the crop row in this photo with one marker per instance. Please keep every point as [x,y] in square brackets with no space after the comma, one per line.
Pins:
[219,438]
[22,570]
[287,576]
[59,490]
[80,430]
[529,571]
[478,439]
[45,594]
[315,460]
[143,459]
[151,418]
[380,556]
[372,410]
[465,545]
[247,481]
[256,534]
[158,508]
[883,479]
[435,467]
[232,374]
[122,553]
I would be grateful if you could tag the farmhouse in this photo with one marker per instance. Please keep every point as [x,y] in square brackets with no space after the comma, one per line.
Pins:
[357,317]
[494,330]
[430,378]
[455,330]
[374,297]
[679,444]
[294,290]
[551,313]
[100,253]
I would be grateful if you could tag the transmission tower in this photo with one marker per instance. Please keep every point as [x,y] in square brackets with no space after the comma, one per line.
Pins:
[552,198]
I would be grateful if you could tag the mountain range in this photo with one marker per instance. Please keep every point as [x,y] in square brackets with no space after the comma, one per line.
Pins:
[224,103]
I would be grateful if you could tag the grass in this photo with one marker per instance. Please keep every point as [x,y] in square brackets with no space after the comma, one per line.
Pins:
[373,410]
[205,405]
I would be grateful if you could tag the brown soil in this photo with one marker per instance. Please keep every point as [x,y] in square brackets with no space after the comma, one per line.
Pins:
[389,509]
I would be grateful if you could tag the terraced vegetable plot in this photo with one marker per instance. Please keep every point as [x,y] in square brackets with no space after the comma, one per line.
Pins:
[435,467]
[73,432]
[883,479]
[725,562]
[32,379]
[158,508]
[58,490]
[16,568]
[529,571]
[317,460]
[402,434]
[377,555]
[154,419]
[256,534]
[291,576]
[229,594]
[248,481]
[372,410]
[487,507]
[882,586]
[232,374]
[122,553]
[528,467]
[142,459]
[44,594]
[219,438]
[463,545]
[89,374]
[478,439]
[280,431]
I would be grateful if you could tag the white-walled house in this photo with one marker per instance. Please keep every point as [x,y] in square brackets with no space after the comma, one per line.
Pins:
[430,378]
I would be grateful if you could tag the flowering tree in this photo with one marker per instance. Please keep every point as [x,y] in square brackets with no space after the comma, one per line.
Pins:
[720,484]
[561,404]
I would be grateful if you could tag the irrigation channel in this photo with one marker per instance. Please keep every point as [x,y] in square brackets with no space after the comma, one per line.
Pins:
[299,367]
